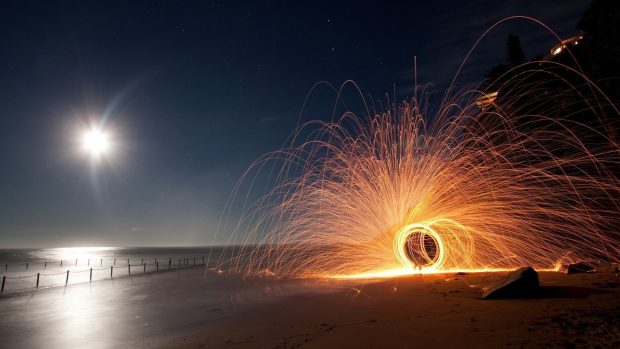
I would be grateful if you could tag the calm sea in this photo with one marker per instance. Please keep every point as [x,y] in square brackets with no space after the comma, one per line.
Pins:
[20,267]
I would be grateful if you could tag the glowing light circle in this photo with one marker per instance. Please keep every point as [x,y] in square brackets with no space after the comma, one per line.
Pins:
[401,248]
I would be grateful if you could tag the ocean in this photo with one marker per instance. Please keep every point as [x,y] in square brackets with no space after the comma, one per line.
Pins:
[21,268]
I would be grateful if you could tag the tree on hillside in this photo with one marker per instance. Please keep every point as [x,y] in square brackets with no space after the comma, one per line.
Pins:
[514,58]
[600,54]
[514,51]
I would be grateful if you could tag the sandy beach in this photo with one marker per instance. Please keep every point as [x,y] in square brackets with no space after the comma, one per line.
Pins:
[570,311]
[183,309]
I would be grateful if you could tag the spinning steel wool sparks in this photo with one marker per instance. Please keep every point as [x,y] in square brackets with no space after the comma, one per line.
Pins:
[527,181]
[465,191]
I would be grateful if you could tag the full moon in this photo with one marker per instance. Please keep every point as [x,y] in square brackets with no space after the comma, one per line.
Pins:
[96,142]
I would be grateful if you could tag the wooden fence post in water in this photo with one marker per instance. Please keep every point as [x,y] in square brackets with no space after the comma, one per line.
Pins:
[142,261]
[111,271]
[45,265]
[88,262]
[61,264]
[129,267]
[114,261]
[3,280]
[179,264]
[6,266]
[156,266]
[169,263]
[37,280]
[67,281]
[127,261]
[26,265]
[194,260]
[144,267]
[91,274]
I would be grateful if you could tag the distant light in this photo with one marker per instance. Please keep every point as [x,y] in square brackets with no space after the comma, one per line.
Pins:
[486,101]
[96,142]
[557,50]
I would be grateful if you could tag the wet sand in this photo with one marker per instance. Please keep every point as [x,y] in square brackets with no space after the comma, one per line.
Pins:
[127,312]
[183,309]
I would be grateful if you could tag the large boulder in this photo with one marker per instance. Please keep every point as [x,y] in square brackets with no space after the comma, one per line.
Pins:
[520,283]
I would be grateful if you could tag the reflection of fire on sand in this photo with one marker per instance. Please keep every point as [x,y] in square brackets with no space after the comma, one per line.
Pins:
[221,311]
[433,310]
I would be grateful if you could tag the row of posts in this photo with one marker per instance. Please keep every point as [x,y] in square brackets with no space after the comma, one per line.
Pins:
[6,265]
[185,262]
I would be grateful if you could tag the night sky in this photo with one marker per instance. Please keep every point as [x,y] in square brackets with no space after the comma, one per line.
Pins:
[193,93]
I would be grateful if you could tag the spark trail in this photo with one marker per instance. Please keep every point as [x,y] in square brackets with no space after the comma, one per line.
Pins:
[531,180]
